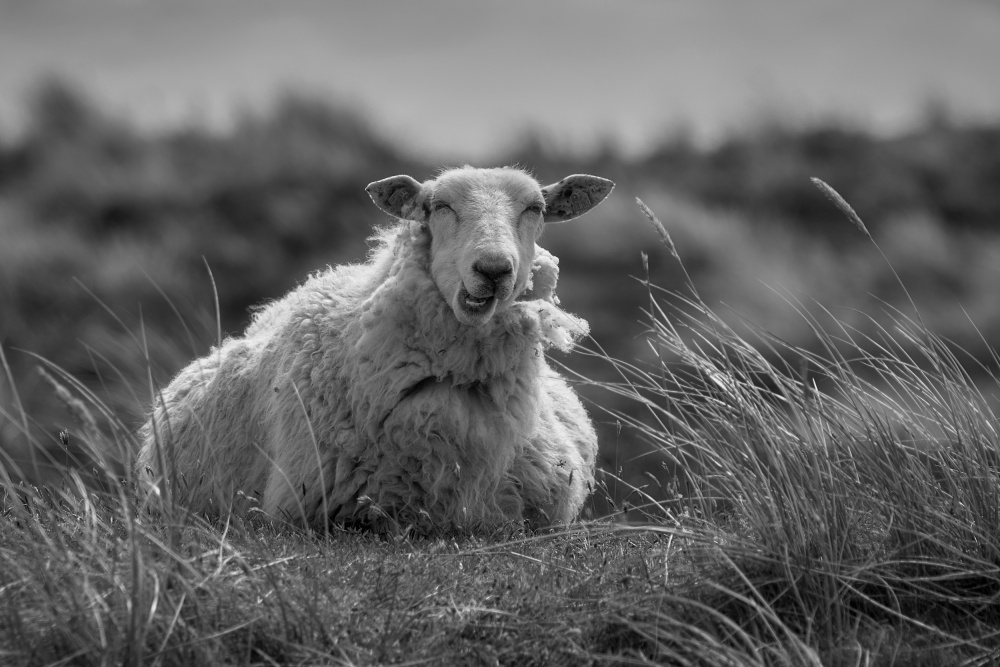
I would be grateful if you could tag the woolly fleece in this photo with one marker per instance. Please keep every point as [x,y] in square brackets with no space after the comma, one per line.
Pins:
[359,398]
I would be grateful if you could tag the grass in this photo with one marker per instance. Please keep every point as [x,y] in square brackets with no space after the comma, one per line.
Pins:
[108,594]
[840,508]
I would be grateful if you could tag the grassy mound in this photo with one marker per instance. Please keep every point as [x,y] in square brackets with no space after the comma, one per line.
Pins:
[834,508]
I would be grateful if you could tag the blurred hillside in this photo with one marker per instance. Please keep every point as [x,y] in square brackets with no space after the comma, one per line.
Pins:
[107,235]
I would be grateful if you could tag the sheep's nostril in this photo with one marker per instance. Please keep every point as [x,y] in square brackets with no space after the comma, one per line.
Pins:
[494,270]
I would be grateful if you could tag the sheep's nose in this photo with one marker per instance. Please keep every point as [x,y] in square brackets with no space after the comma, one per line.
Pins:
[494,269]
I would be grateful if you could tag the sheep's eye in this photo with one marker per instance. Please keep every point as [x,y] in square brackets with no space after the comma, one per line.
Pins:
[441,206]
[535,209]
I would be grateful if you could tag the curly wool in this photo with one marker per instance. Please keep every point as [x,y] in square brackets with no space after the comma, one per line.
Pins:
[359,398]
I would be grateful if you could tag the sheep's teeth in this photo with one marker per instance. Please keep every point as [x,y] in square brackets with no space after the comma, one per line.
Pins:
[475,303]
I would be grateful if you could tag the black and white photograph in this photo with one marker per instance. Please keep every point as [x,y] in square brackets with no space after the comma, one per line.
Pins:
[452,332]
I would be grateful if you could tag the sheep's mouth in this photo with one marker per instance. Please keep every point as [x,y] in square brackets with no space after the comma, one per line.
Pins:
[476,308]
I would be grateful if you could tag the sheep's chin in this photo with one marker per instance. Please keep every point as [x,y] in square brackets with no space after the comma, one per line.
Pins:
[473,311]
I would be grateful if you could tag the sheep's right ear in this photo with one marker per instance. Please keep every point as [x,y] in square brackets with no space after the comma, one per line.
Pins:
[399,196]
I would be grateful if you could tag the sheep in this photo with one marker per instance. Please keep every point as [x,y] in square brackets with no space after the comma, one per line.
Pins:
[411,391]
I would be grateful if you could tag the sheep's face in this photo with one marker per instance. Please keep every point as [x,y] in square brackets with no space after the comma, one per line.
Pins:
[483,225]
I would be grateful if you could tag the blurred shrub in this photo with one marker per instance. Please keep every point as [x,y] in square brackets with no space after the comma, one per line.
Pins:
[942,170]
[100,223]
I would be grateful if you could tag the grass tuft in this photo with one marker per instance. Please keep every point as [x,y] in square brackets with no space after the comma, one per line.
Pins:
[853,495]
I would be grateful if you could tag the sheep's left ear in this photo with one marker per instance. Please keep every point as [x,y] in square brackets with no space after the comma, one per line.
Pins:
[573,196]
[399,196]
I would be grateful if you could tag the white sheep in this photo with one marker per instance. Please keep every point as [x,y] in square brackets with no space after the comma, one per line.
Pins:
[411,390]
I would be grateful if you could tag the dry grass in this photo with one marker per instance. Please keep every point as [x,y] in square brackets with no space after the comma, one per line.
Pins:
[840,508]
[82,583]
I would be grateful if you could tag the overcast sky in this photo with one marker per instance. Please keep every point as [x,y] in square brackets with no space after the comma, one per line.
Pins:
[461,78]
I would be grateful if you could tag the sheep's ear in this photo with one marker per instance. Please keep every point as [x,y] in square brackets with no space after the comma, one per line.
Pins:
[573,196]
[399,196]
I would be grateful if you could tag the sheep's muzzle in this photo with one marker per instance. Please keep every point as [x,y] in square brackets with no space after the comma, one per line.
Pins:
[489,284]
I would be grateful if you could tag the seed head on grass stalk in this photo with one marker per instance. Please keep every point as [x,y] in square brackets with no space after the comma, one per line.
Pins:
[664,235]
[660,229]
[852,215]
[841,204]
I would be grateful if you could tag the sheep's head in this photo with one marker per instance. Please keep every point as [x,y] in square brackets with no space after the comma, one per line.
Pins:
[483,225]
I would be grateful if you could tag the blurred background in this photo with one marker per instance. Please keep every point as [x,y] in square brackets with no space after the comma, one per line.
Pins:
[155,153]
